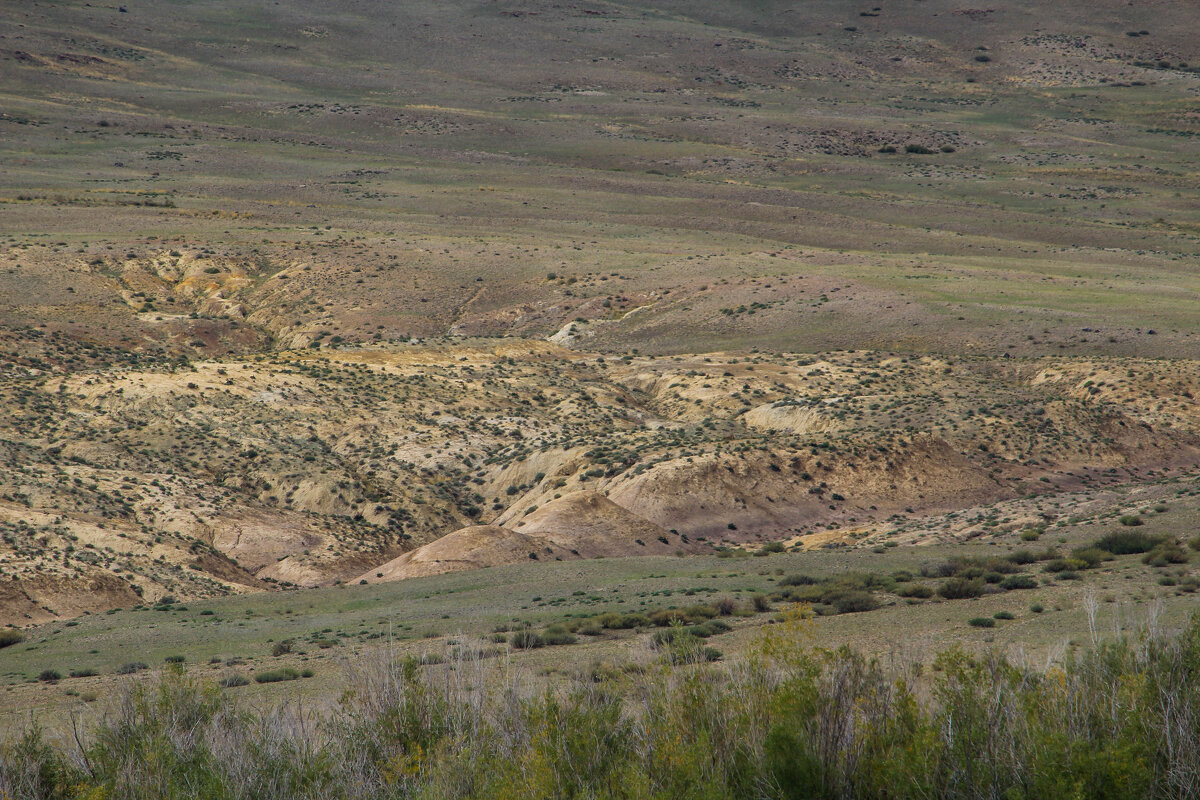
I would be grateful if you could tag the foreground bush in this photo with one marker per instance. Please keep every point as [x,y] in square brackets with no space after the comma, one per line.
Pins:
[1121,720]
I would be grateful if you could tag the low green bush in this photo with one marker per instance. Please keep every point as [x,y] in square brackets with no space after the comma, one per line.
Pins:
[852,601]
[1065,565]
[1018,582]
[962,588]
[526,640]
[1092,556]
[1164,554]
[276,675]
[557,635]
[1123,543]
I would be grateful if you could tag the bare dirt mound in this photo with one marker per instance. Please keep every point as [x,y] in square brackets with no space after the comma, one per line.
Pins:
[736,498]
[469,548]
[579,525]
[591,525]
[38,600]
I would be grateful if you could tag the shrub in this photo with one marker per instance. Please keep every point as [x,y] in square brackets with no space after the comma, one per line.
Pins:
[175,659]
[634,619]
[49,676]
[1037,608]
[797,580]
[1124,543]
[918,590]
[557,634]
[664,637]
[1018,582]
[981,622]
[1004,615]
[232,681]
[684,648]
[961,588]
[1130,520]
[526,640]
[1164,554]
[918,149]
[84,672]
[588,628]
[1092,556]
[10,637]
[725,606]
[282,648]
[1022,557]
[132,667]
[711,628]
[853,601]
[276,675]
[668,616]
[760,603]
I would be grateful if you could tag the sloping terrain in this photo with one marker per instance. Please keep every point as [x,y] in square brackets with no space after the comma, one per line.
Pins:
[210,177]
[317,467]
[582,524]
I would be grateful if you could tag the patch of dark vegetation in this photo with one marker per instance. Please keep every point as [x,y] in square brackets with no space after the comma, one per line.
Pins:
[1123,543]
[276,675]
[617,727]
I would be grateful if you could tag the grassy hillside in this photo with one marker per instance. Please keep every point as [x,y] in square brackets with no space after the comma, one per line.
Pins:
[366,168]
[297,296]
